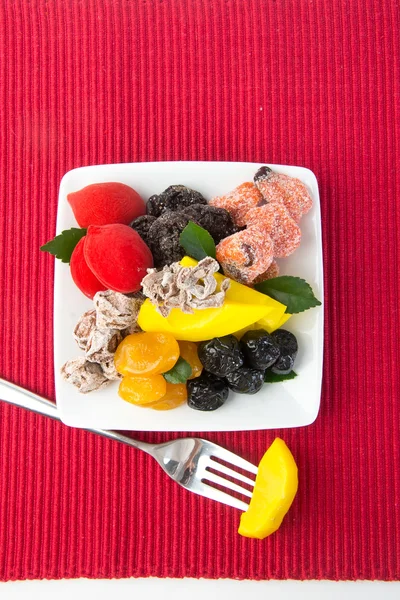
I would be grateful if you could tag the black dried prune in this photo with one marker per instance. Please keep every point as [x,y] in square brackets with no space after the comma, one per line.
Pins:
[259,348]
[246,380]
[163,238]
[142,226]
[207,392]
[217,221]
[288,348]
[221,355]
[174,198]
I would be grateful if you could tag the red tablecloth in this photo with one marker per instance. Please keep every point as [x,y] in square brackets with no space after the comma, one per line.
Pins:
[302,82]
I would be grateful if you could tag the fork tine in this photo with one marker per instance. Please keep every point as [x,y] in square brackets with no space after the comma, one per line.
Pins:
[232,458]
[226,483]
[223,469]
[210,492]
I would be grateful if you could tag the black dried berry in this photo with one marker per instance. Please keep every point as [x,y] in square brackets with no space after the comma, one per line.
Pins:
[207,392]
[217,221]
[221,355]
[245,380]
[288,348]
[259,348]
[263,173]
[163,238]
[142,226]
[174,198]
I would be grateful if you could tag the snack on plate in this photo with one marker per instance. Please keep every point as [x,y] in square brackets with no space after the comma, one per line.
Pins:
[185,288]
[174,198]
[289,191]
[239,201]
[275,220]
[246,254]
[181,332]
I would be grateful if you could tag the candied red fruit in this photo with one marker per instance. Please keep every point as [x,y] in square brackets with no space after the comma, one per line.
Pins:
[105,203]
[275,220]
[117,256]
[239,201]
[246,254]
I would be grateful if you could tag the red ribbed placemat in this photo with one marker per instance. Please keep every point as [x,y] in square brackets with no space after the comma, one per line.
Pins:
[303,82]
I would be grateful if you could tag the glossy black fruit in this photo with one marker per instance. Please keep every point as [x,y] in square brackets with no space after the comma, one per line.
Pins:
[259,348]
[245,380]
[221,355]
[288,348]
[207,392]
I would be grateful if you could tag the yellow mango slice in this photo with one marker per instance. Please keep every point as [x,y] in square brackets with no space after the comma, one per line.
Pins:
[202,324]
[242,307]
[274,491]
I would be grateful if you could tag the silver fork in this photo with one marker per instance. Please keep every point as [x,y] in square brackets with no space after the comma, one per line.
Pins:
[191,462]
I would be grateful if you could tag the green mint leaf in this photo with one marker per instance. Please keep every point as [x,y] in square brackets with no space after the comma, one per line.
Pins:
[63,245]
[295,293]
[179,373]
[197,242]
[271,377]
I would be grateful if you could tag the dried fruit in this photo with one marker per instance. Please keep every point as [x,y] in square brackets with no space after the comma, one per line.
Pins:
[217,221]
[288,348]
[146,353]
[221,355]
[175,396]
[272,271]
[82,275]
[164,238]
[245,380]
[275,220]
[174,198]
[142,391]
[188,351]
[105,203]
[142,226]
[207,392]
[289,191]
[259,348]
[84,375]
[246,254]
[117,256]
[186,288]
[239,201]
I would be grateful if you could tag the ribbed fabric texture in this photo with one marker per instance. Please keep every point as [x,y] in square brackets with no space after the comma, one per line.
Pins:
[303,82]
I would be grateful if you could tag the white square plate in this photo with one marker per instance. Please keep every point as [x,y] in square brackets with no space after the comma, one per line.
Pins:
[290,404]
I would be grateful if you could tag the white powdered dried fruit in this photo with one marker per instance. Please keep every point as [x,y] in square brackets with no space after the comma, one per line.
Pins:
[186,288]
[84,328]
[115,310]
[84,375]
[102,345]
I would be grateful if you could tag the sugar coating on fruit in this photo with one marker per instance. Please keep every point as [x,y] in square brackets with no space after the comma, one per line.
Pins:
[84,375]
[84,328]
[174,198]
[239,201]
[289,191]
[186,288]
[102,344]
[270,273]
[275,220]
[117,311]
[142,226]
[118,257]
[246,254]
[105,203]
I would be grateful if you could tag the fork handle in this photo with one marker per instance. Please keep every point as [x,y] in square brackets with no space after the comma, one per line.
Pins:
[18,396]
